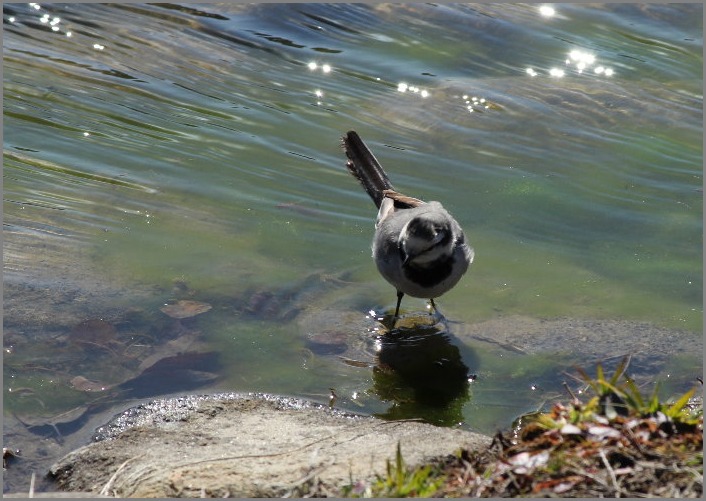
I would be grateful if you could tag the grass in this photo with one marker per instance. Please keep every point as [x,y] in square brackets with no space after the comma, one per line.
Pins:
[401,481]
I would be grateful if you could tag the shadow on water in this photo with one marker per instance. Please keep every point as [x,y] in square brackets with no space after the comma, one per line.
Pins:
[424,370]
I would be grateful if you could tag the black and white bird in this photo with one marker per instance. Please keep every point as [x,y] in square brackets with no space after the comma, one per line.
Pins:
[418,246]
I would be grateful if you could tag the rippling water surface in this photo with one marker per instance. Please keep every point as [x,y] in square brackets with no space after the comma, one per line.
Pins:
[156,153]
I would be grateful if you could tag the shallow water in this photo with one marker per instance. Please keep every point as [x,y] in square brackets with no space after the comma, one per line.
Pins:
[192,152]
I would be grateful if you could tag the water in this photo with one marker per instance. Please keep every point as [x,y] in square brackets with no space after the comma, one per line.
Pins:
[192,152]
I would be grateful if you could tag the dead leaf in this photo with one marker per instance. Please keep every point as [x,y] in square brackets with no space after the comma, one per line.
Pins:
[81,383]
[188,340]
[601,431]
[570,429]
[185,308]
[524,462]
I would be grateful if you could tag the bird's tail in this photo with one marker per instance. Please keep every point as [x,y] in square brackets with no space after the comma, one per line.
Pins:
[363,165]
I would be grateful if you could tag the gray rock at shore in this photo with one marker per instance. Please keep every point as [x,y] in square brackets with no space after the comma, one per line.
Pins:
[245,445]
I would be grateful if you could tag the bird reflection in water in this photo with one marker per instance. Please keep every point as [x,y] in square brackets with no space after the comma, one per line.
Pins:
[421,369]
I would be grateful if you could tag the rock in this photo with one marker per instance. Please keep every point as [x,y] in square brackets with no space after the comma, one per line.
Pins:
[245,445]
[586,341]
[54,495]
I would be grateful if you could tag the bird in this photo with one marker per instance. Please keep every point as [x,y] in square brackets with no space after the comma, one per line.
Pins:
[418,247]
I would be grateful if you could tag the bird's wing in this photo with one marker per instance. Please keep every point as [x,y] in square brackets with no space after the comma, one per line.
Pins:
[402,201]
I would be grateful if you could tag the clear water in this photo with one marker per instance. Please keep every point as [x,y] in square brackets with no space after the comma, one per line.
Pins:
[198,145]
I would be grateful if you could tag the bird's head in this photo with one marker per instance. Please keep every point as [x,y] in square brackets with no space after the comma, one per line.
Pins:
[425,239]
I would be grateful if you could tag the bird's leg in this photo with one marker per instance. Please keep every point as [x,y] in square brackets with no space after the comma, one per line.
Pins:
[434,310]
[400,294]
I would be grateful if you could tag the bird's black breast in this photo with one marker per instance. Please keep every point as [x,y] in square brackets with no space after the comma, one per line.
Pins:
[429,276]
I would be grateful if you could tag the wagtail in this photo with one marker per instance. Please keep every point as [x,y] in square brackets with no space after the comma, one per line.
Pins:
[418,246]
